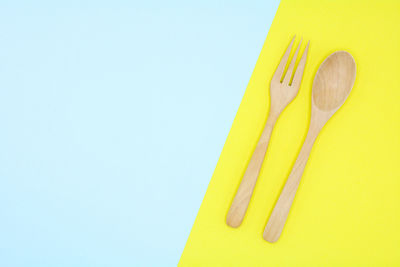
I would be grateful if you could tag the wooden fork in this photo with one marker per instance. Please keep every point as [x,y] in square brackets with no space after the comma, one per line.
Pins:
[282,91]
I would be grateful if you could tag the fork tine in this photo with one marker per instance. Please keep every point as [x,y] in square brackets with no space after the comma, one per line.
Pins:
[289,72]
[281,67]
[298,75]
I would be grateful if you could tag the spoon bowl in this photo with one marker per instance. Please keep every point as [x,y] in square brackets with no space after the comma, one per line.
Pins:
[333,81]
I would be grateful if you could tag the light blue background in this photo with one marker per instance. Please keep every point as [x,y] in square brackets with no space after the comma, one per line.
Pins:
[112,118]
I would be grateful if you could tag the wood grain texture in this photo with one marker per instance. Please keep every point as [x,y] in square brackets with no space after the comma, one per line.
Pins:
[282,92]
[332,84]
[242,199]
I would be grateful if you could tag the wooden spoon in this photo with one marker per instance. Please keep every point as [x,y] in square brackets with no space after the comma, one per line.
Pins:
[332,84]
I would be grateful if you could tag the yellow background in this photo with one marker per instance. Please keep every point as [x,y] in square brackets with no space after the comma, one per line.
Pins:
[347,209]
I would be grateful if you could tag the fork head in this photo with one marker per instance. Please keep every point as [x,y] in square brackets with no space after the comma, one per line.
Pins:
[285,84]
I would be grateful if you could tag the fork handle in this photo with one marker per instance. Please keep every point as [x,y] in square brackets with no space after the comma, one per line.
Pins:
[243,195]
[281,210]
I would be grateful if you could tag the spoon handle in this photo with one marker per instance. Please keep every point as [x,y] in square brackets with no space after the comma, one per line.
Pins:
[279,215]
[243,195]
